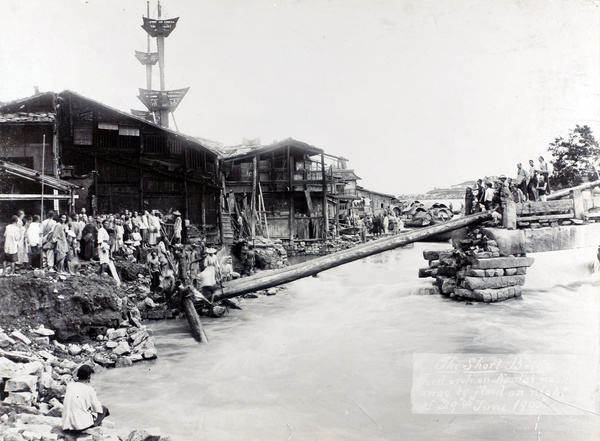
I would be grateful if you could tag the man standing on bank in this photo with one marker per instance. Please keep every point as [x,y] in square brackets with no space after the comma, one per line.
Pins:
[82,409]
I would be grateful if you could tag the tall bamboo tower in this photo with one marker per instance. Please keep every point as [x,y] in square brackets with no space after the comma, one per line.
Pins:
[159,102]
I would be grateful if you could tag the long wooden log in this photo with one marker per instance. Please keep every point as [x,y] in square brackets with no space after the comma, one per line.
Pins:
[268,279]
[192,316]
[566,191]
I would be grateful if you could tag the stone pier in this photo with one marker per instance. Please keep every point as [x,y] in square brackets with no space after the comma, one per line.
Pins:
[490,264]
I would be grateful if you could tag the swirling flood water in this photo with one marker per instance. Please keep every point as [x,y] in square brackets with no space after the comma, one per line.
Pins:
[331,357]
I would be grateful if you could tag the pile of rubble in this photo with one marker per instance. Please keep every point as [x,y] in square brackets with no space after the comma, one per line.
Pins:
[35,369]
[321,248]
[476,270]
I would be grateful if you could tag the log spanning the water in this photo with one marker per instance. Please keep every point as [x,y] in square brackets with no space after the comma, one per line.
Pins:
[268,279]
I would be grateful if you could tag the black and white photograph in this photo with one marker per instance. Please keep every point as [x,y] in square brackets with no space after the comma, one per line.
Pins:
[300,220]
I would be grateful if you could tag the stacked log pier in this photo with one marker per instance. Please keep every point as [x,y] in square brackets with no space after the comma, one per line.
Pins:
[477,271]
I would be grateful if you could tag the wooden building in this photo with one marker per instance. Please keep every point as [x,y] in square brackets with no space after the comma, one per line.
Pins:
[121,161]
[277,190]
[374,203]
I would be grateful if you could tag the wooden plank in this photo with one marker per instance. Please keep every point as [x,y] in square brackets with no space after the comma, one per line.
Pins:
[35,197]
[545,217]
[268,279]
[532,208]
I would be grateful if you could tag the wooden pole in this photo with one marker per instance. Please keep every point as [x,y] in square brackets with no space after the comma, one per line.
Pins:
[253,199]
[268,279]
[325,211]
[192,316]
[43,165]
[567,191]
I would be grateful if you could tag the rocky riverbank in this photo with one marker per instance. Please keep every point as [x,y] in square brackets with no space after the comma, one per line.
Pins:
[50,325]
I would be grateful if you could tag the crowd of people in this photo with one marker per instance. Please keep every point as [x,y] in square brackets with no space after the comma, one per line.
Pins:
[530,185]
[61,243]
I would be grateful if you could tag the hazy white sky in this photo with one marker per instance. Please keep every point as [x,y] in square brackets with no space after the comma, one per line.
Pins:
[416,93]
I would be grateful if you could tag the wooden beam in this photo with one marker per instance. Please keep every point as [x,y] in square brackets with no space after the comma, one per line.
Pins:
[566,192]
[35,197]
[535,208]
[545,217]
[268,279]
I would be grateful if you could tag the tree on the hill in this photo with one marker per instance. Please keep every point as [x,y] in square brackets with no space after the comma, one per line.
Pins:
[575,158]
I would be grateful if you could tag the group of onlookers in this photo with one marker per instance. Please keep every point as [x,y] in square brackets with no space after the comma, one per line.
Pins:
[529,185]
[60,241]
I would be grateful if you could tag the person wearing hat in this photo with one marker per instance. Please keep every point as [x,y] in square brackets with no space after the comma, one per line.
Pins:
[177,227]
[72,253]
[81,407]
[210,275]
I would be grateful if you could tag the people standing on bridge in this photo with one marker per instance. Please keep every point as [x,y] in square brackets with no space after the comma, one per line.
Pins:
[479,196]
[544,172]
[542,188]
[469,201]
[509,209]
[488,197]
[521,181]
[532,182]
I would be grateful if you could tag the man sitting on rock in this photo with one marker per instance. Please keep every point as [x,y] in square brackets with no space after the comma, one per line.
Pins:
[82,409]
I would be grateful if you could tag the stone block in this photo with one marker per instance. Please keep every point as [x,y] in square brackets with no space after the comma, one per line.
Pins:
[475,272]
[7,367]
[521,271]
[5,340]
[75,349]
[434,263]
[448,286]
[447,258]
[20,398]
[122,348]
[111,344]
[431,254]
[116,334]
[483,255]
[498,295]
[123,362]
[425,272]
[501,262]
[493,282]
[510,271]
[20,336]
[21,383]
[447,270]
[31,368]
[44,331]
[41,341]
[28,418]
[490,273]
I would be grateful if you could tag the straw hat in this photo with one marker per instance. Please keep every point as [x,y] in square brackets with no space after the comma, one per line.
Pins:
[177,213]
[210,251]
